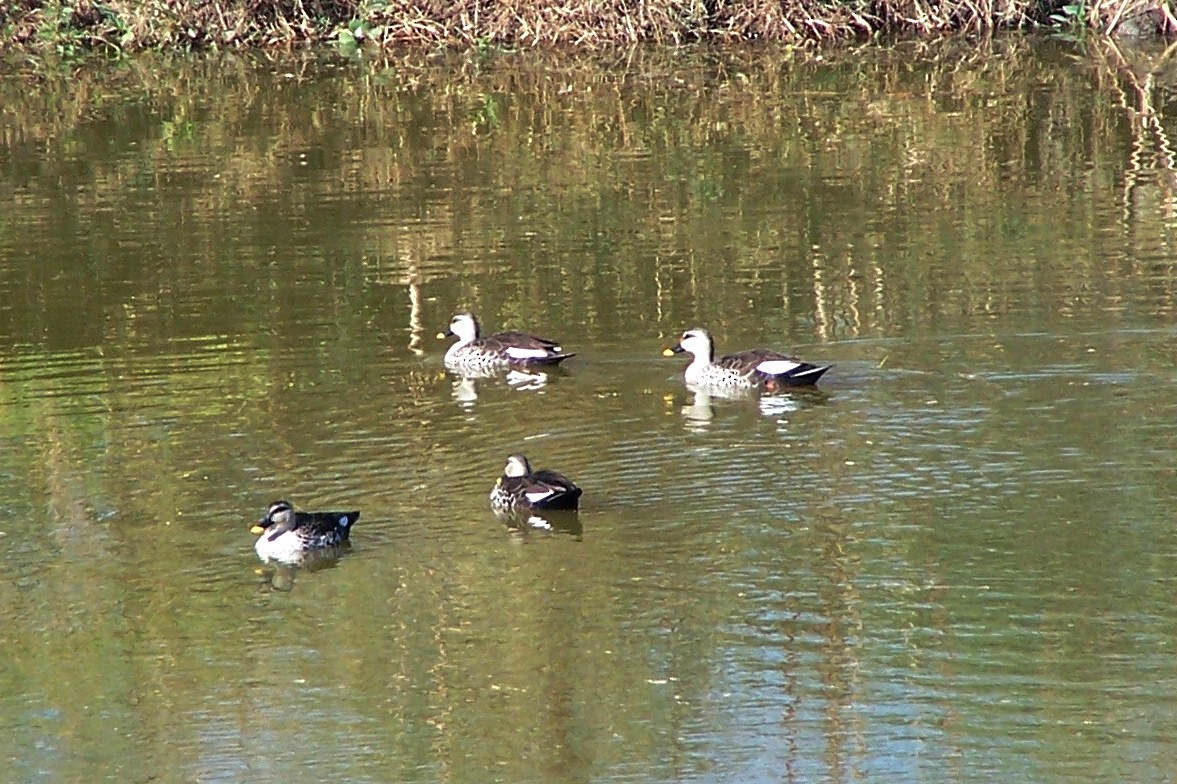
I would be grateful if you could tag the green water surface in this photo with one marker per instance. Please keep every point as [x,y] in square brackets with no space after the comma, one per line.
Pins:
[220,284]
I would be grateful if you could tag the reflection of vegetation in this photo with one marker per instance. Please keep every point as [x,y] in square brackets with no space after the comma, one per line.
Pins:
[486,115]
[655,167]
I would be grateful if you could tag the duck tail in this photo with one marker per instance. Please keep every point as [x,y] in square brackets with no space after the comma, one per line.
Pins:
[551,361]
[805,376]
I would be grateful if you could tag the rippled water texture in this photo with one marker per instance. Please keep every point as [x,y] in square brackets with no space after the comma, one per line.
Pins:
[220,284]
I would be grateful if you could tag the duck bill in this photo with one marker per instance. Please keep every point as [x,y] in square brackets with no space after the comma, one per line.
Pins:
[670,352]
[449,333]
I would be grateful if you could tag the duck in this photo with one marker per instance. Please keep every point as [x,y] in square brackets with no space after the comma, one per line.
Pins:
[521,487]
[287,536]
[499,352]
[747,371]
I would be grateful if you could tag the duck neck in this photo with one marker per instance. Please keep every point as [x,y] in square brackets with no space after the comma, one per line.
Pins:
[706,357]
[698,362]
[458,345]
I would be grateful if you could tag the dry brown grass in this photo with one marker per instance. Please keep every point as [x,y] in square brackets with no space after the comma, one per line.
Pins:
[206,24]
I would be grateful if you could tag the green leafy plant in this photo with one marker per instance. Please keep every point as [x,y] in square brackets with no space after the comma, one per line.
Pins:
[1070,18]
[72,28]
[351,37]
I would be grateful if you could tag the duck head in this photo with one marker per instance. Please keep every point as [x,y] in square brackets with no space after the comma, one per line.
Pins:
[517,465]
[464,326]
[697,342]
[279,513]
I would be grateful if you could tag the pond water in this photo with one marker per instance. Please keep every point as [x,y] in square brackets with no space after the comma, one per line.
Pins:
[955,561]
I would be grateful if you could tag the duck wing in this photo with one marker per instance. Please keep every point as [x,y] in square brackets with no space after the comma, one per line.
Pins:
[773,366]
[525,348]
[524,340]
[320,523]
[549,489]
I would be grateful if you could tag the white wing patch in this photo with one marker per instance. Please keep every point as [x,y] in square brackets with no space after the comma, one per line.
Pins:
[515,352]
[537,496]
[775,367]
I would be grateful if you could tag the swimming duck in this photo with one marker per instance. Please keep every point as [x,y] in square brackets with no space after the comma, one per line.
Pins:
[757,369]
[287,536]
[521,487]
[498,352]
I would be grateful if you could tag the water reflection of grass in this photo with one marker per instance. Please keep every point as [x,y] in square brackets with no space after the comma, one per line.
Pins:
[694,157]
[807,188]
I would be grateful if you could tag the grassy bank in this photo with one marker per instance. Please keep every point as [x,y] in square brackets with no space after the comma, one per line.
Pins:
[67,26]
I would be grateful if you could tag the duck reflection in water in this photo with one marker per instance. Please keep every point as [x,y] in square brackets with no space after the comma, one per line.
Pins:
[523,521]
[282,576]
[465,386]
[701,408]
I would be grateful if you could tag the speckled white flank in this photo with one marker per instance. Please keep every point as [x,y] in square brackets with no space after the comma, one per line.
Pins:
[702,373]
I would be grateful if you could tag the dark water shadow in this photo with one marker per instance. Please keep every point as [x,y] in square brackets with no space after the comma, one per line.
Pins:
[542,521]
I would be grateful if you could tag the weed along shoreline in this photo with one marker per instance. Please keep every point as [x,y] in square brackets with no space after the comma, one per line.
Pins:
[73,26]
